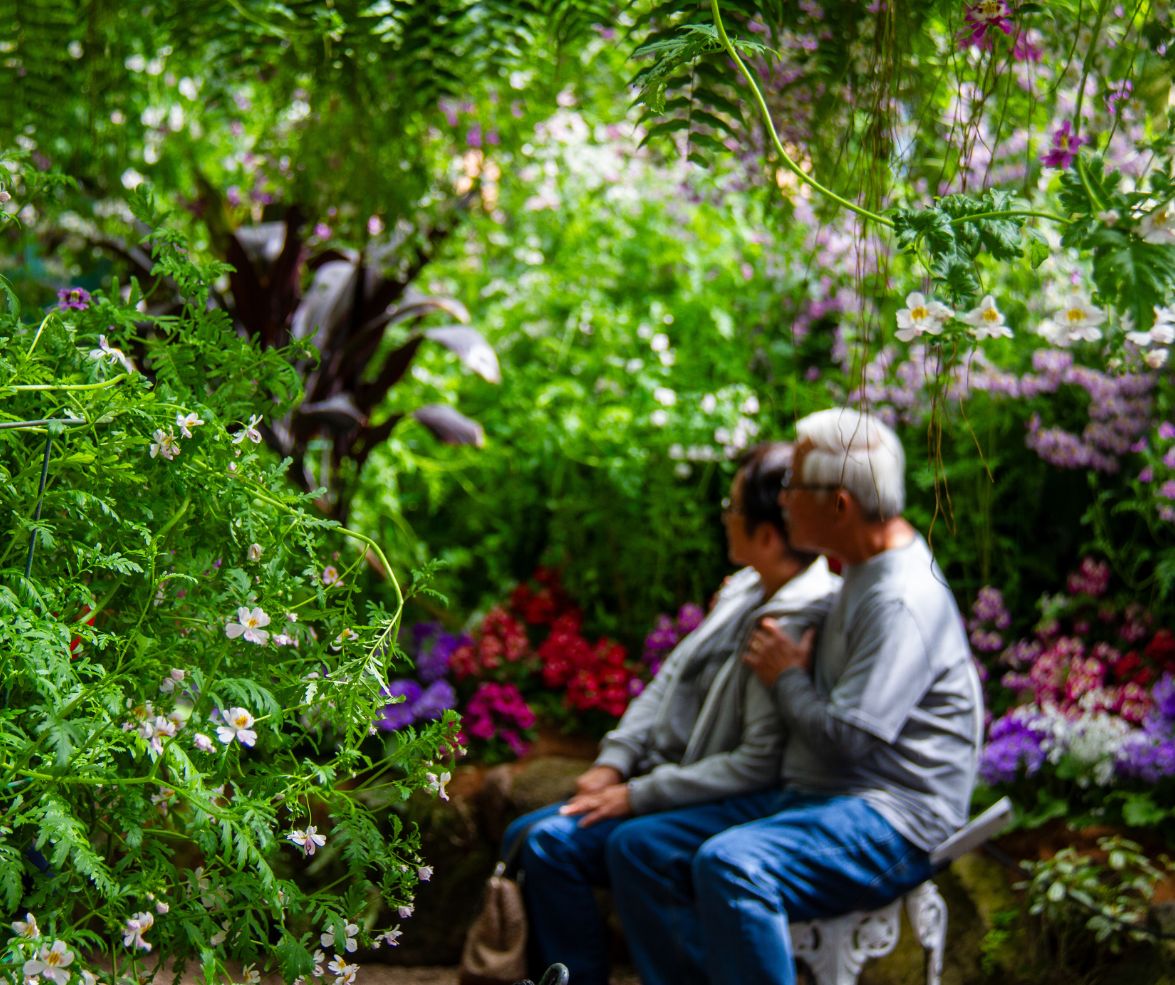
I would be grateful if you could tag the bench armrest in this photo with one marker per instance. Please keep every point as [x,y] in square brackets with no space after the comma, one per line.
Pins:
[986,826]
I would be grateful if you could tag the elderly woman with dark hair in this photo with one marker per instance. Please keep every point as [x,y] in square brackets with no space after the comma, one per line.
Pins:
[703,730]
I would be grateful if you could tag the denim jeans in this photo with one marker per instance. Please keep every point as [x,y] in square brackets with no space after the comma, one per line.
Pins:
[706,893]
[561,863]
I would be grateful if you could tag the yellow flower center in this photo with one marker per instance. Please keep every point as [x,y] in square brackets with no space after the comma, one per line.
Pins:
[241,721]
[1074,315]
[991,315]
[53,958]
[990,9]
[919,313]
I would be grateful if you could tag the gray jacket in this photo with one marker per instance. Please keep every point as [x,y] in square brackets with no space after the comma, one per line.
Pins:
[733,742]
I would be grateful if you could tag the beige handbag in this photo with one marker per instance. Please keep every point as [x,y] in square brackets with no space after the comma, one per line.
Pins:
[495,948]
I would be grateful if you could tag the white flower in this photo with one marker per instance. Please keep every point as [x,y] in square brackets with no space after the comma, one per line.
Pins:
[319,964]
[1076,321]
[249,432]
[659,418]
[50,963]
[1158,225]
[659,342]
[330,575]
[1156,358]
[136,927]
[165,445]
[392,937]
[202,742]
[986,321]
[1163,330]
[347,634]
[664,396]
[254,552]
[185,422]
[750,405]
[251,976]
[174,677]
[284,639]
[437,784]
[89,978]
[309,840]
[248,625]
[404,912]
[219,937]
[344,973]
[921,317]
[238,724]
[709,403]
[349,934]
[27,928]
[106,351]
[424,873]
[161,907]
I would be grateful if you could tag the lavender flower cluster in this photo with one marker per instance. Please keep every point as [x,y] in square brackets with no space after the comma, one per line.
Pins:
[430,694]
[667,632]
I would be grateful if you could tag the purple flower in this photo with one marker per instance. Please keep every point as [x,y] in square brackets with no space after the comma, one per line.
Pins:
[435,699]
[1146,757]
[981,19]
[1013,747]
[1065,146]
[75,298]
[689,618]
[396,716]
[1167,430]
[1164,696]
[1167,489]
[1119,92]
[233,195]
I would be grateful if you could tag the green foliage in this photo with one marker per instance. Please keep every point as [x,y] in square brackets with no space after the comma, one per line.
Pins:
[188,684]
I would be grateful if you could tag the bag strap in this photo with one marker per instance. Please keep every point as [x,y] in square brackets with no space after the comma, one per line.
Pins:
[508,865]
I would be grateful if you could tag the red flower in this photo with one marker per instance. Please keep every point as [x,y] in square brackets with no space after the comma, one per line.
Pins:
[1161,649]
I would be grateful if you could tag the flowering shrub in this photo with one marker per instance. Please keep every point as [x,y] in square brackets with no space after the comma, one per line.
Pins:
[184,699]
[1094,693]
[525,660]
[668,632]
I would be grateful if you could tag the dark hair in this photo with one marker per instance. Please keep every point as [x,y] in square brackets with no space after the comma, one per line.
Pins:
[762,469]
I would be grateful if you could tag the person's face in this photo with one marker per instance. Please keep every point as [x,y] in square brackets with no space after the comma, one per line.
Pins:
[734,519]
[808,510]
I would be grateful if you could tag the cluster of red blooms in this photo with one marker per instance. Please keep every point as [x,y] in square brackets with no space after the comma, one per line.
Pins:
[595,676]
[500,638]
[542,600]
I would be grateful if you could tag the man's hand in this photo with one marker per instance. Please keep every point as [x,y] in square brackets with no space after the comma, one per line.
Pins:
[772,651]
[600,805]
[597,778]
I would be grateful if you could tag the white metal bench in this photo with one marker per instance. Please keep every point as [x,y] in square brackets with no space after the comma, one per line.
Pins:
[836,949]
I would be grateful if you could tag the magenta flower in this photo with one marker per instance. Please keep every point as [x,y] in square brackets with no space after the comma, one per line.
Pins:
[981,19]
[1064,149]
[75,298]
[1119,92]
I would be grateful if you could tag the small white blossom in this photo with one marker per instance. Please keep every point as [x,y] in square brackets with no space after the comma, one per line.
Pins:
[219,937]
[921,317]
[185,422]
[250,975]
[27,928]
[437,783]
[659,418]
[665,396]
[344,973]
[347,634]
[249,625]
[136,927]
[202,742]
[404,912]
[330,575]
[161,907]
[106,351]
[350,943]
[165,445]
[1076,321]
[1156,358]
[175,677]
[392,937]
[709,403]
[424,873]
[309,840]
[659,342]
[986,321]
[1158,225]
[254,552]
[249,432]
[50,963]
[238,724]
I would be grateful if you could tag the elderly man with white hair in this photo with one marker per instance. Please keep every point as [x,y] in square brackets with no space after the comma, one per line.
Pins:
[883,715]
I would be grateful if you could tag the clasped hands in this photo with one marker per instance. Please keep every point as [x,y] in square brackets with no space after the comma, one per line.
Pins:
[600,793]
[771,651]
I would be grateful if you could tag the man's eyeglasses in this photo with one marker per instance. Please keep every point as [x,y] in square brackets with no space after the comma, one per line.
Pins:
[789,484]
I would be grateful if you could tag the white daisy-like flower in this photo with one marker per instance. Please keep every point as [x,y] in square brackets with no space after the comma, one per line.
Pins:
[238,724]
[986,321]
[249,625]
[1158,225]
[350,933]
[344,973]
[136,927]
[1076,321]
[392,937]
[309,840]
[27,928]
[665,396]
[107,352]
[1156,358]
[50,963]
[165,444]
[250,431]
[921,317]
[437,782]
[185,422]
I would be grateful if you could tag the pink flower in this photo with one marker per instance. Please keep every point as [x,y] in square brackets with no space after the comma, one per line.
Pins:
[982,18]
[1064,149]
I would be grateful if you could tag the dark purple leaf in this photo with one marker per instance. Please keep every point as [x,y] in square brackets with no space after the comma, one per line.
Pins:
[450,425]
[473,350]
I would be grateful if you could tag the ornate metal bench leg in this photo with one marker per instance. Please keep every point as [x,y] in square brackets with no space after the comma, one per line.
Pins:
[835,950]
[928,916]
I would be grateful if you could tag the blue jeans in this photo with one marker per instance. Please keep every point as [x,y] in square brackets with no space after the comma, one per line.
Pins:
[706,893]
[561,863]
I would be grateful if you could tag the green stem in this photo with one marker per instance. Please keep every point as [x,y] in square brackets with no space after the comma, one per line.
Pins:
[1098,204]
[791,165]
[1097,31]
[70,386]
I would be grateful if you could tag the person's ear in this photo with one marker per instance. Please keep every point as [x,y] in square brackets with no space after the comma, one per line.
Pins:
[843,502]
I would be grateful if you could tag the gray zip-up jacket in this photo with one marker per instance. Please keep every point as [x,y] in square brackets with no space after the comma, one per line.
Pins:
[733,743]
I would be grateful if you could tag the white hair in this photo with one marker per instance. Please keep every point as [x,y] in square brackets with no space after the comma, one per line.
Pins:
[857,451]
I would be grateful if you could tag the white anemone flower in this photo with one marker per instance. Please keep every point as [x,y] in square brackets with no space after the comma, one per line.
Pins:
[1158,225]
[50,963]
[136,927]
[249,625]
[165,445]
[237,724]
[1076,321]
[309,840]
[437,783]
[27,928]
[986,321]
[185,422]
[249,432]
[350,933]
[107,352]
[921,317]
